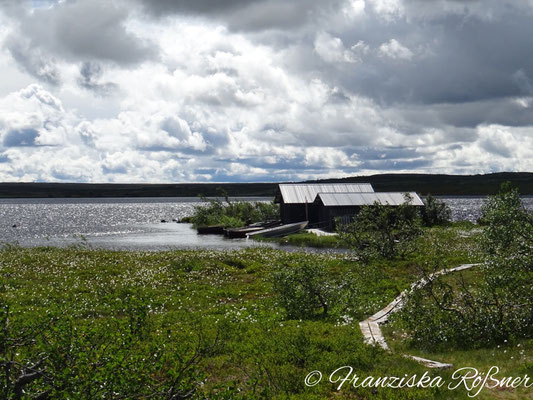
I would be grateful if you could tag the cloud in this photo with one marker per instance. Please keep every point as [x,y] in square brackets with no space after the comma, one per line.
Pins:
[388,9]
[210,7]
[22,137]
[248,15]
[90,74]
[75,31]
[331,49]
[33,61]
[449,57]
[33,117]
[264,90]
[395,50]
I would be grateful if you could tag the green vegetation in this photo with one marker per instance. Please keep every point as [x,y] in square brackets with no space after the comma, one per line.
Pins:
[435,212]
[83,324]
[79,323]
[383,231]
[233,214]
[305,239]
[305,288]
[490,306]
[103,324]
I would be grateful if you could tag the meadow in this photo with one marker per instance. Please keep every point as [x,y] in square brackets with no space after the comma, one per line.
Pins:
[80,323]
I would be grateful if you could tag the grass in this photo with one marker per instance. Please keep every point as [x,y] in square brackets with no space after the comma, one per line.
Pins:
[304,239]
[454,231]
[513,359]
[190,296]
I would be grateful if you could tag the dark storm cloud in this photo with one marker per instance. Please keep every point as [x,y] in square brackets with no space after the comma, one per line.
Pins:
[76,30]
[21,138]
[454,60]
[210,7]
[500,111]
[247,15]
[90,74]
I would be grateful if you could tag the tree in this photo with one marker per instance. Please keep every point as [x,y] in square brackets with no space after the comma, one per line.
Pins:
[435,212]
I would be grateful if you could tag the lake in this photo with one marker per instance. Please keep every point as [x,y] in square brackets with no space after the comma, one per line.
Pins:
[135,223]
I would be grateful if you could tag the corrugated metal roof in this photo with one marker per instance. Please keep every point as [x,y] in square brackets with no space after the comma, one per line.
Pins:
[306,192]
[360,199]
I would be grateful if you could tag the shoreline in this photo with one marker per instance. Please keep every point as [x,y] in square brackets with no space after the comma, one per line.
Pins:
[436,184]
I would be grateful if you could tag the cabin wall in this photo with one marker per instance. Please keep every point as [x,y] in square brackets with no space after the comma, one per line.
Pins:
[291,213]
[345,213]
[330,214]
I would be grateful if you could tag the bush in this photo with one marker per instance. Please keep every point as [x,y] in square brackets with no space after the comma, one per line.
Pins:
[382,230]
[305,289]
[507,224]
[435,212]
[234,214]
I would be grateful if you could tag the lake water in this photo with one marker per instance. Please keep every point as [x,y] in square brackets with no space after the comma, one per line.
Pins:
[135,223]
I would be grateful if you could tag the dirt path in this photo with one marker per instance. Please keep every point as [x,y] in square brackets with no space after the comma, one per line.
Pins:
[371,329]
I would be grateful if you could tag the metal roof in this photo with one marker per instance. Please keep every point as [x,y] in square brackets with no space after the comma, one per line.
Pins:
[360,199]
[306,192]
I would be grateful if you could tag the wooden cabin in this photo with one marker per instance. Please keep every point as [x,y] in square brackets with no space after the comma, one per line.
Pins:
[297,201]
[345,206]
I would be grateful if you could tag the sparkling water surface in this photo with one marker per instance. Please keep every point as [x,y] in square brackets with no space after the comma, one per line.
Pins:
[135,223]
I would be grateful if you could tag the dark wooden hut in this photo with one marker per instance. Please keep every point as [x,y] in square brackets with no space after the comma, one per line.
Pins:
[297,201]
[345,206]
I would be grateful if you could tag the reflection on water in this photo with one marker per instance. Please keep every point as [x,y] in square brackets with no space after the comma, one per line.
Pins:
[134,223]
[468,208]
[117,223]
[172,236]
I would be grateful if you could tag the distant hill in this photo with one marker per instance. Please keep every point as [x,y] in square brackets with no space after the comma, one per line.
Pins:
[445,184]
[421,183]
[134,190]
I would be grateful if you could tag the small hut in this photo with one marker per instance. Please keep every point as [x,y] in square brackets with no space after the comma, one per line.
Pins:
[297,201]
[346,205]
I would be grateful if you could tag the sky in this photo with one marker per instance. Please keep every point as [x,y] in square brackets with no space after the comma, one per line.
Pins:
[263,90]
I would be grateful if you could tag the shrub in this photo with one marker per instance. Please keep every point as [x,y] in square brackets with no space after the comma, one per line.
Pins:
[234,214]
[382,230]
[435,212]
[305,289]
[508,225]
